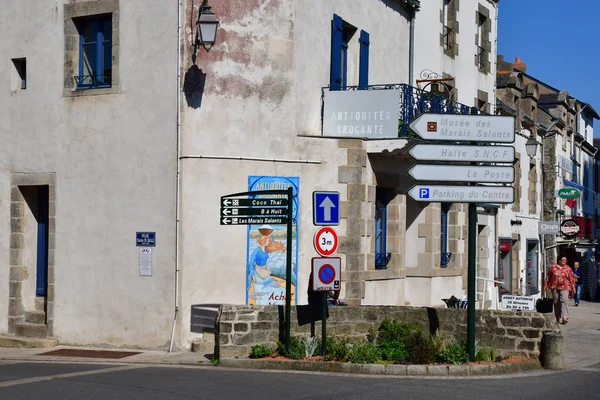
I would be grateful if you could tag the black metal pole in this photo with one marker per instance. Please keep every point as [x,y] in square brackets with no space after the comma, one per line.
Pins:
[324,325]
[288,269]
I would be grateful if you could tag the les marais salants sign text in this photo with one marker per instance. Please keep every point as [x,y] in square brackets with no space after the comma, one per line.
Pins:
[369,114]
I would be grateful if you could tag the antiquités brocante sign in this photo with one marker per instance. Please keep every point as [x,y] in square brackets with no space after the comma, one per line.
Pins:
[371,114]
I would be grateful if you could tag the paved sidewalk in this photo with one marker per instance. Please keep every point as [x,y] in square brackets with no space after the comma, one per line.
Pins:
[145,356]
[582,335]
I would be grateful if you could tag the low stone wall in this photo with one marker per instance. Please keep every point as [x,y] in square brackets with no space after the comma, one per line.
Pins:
[238,328]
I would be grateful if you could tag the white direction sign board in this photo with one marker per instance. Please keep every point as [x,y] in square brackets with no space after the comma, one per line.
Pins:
[525,303]
[465,128]
[467,153]
[463,194]
[462,173]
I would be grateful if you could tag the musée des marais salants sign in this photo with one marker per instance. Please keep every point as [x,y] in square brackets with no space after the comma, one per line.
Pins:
[372,114]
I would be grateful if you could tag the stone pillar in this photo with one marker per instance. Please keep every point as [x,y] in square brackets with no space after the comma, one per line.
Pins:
[352,210]
[551,351]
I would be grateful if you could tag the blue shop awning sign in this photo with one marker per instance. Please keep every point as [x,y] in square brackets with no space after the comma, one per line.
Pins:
[573,185]
[145,239]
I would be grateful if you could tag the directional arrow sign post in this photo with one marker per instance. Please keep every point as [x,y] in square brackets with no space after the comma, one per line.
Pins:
[281,198]
[463,194]
[465,128]
[466,153]
[264,212]
[462,173]
[326,208]
[253,220]
[258,202]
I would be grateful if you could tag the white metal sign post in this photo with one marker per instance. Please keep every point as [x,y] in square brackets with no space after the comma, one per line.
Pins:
[465,128]
[462,173]
[484,130]
[463,194]
[463,153]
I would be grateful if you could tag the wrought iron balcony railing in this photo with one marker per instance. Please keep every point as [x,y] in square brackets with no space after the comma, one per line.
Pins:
[413,103]
[93,81]
[445,259]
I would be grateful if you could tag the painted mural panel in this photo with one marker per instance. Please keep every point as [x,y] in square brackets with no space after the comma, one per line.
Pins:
[266,255]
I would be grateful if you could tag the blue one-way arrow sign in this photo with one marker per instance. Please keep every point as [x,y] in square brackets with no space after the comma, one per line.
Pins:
[326,208]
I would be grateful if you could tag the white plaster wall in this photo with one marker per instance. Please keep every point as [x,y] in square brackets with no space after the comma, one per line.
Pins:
[4,246]
[430,55]
[431,291]
[114,159]
[263,89]
[384,292]
[388,27]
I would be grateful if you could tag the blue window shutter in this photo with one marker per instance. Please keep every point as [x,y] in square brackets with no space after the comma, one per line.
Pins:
[337,28]
[363,75]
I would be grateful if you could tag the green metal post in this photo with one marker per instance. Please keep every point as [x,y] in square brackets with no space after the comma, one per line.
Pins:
[288,270]
[471,280]
[471,275]
[324,325]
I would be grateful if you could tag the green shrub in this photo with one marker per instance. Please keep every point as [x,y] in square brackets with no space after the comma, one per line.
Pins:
[485,354]
[336,348]
[260,351]
[296,351]
[419,348]
[391,340]
[363,352]
[454,354]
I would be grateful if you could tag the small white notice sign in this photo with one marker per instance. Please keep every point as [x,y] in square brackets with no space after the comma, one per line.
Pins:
[145,261]
[524,303]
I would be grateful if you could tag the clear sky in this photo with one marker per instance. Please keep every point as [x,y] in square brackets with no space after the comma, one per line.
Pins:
[558,40]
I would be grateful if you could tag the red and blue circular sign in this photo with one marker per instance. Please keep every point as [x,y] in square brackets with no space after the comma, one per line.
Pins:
[326,241]
[327,274]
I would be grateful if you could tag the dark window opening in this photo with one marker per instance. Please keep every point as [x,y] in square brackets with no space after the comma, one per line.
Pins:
[21,68]
[95,52]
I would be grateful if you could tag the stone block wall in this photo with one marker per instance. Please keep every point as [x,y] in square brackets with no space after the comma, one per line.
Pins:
[238,328]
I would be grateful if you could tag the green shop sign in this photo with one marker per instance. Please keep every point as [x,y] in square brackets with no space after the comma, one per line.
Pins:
[568,193]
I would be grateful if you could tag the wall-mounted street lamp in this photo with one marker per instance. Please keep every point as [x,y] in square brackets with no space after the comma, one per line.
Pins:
[206,27]
[531,146]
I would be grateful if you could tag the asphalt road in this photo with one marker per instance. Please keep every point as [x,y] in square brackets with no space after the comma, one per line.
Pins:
[26,380]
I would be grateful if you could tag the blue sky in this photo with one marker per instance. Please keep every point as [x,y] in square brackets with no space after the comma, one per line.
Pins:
[558,40]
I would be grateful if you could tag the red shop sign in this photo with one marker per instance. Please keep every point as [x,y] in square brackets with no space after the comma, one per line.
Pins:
[504,246]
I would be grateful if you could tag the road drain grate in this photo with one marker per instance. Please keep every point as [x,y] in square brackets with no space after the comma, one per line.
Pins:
[90,353]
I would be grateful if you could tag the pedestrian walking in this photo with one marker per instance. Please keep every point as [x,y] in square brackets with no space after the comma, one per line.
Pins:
[578,283]
[561,280]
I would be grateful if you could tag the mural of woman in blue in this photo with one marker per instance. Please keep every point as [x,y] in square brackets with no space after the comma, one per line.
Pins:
[260,282]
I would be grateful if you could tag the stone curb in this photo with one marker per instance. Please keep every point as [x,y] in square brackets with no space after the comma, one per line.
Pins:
[381,369]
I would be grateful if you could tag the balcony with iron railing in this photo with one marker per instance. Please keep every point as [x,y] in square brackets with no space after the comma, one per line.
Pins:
[93,81]
[413,103]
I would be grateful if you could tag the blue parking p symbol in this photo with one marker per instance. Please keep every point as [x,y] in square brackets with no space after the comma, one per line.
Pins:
[424,193]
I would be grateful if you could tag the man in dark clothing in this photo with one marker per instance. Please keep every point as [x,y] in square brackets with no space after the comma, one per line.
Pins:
[578,283]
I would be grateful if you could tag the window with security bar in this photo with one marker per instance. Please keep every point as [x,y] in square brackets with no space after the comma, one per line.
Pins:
[95,52]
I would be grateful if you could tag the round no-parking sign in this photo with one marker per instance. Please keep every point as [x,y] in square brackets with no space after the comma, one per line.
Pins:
[326,274]
[326,241]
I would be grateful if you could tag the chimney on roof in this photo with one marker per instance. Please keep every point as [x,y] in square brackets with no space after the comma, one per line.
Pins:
[521,66]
